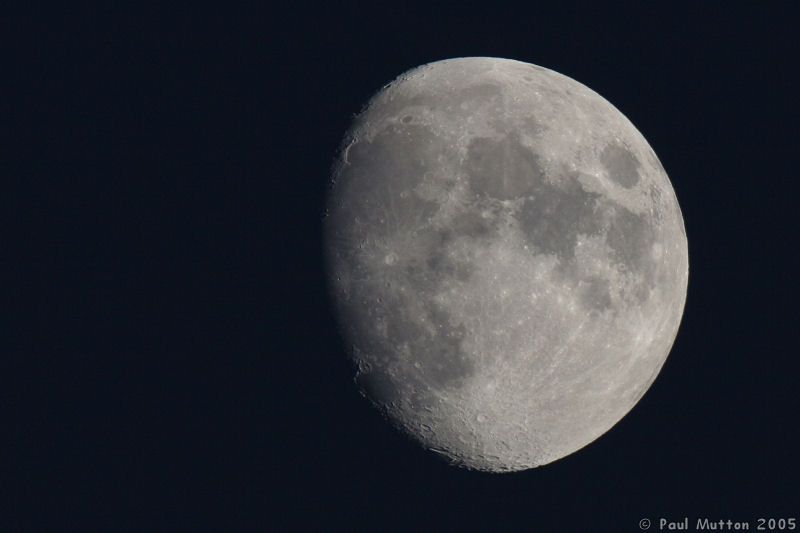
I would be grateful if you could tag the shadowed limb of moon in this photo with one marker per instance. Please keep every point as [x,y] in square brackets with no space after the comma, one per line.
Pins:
[507,258]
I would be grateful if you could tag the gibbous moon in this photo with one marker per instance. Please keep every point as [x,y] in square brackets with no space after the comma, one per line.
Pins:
[507,258]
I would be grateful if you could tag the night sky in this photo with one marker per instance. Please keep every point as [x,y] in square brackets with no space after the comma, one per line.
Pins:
[169,357]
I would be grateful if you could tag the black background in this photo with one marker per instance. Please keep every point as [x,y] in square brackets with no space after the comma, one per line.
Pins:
[169,359]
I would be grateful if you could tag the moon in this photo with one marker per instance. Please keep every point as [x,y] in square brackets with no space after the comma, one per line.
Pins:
[507,259]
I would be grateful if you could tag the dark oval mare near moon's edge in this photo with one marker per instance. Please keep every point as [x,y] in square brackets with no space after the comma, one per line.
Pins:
[507,258]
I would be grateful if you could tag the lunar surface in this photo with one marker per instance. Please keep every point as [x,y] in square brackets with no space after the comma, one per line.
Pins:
[507,258]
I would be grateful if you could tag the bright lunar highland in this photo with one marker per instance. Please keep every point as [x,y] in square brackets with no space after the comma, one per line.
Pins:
[507,258]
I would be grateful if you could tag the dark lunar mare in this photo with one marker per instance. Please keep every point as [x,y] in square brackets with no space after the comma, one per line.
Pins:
[385,171]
